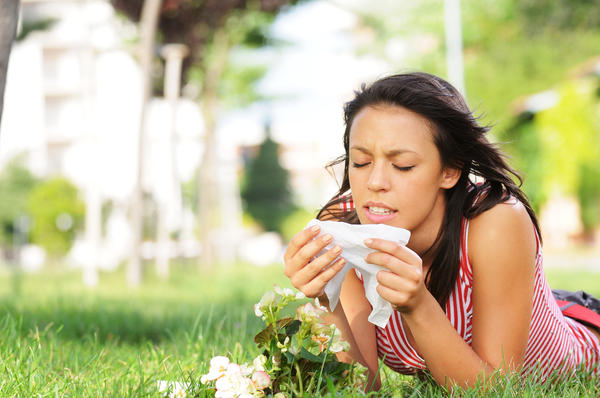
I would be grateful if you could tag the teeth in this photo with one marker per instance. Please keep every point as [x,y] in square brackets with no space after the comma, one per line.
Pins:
[379,210]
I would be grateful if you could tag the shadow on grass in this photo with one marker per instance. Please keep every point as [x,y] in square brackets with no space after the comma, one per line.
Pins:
[132,323]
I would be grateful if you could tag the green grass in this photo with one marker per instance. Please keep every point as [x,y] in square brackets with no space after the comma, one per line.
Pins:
[58,338]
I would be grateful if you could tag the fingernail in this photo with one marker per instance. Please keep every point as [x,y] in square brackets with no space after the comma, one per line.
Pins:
[337,250]
[368,241]
[314,228]
[327,238]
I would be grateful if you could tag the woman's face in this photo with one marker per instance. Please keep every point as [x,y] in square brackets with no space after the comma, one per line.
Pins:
[396,175]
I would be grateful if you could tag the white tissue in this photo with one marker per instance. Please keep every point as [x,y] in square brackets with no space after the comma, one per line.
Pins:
[351,237]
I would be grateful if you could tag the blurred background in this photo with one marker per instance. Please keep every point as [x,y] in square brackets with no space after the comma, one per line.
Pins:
[140,133]
[157,155]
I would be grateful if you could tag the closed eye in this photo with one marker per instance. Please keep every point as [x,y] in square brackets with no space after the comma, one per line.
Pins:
[403,168]
[359,165]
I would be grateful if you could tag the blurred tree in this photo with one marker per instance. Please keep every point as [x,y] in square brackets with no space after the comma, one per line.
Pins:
[558,149]
[16,184]
[589,196]
[56,215]
[210,29]
[148,22]
[265,192]
[566,15]
[9,10]
[511,47]
[30,26]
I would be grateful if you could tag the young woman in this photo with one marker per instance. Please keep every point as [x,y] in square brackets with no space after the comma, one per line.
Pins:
[469,291]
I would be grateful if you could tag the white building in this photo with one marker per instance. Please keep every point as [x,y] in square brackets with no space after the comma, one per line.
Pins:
[72,106]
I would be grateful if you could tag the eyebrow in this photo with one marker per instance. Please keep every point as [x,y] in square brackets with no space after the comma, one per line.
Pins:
[390,153]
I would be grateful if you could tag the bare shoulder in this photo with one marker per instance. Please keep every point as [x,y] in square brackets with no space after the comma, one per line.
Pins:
[505,233]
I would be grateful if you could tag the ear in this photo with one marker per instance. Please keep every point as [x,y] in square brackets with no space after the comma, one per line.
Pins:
[450,176]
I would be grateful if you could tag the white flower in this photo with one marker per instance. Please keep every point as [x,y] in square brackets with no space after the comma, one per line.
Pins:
[261,380]
[319,306]
[234,383]
[267,300]
[259,363]
[338,344]
[310,313]
[284,347]
[246,370]
[285,292]
[218,366]
[288,293]
[257,311]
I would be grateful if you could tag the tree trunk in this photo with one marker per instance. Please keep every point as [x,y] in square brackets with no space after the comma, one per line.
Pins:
[173,55]
[9,11]
[207,182]
[148,24]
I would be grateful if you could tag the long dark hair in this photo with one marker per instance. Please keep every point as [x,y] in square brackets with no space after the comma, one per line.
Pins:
[461,142]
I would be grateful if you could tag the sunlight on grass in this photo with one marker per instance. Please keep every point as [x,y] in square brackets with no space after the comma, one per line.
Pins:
[62,339]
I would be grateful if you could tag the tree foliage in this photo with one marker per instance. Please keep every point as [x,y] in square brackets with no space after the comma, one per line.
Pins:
[195,23]
[57,215]
[16,184]
[265,192]
[558,148]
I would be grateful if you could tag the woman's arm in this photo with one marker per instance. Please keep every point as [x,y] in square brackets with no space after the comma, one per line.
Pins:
[502,253]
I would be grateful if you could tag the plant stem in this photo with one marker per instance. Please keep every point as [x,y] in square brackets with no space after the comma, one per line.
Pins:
[325,358]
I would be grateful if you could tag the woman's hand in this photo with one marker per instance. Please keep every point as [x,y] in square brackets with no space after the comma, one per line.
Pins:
[305,269]
[402,283]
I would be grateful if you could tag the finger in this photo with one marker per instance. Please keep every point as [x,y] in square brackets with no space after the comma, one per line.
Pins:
[292,263]
[312,248]
[299,240]
[401,252]
[395,265]
[317,265]
[396,282]
[396,298]
[317,284]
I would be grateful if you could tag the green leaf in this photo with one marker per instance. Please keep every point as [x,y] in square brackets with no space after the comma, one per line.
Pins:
[293,328]
[289,356]
[335,368]
[304,353]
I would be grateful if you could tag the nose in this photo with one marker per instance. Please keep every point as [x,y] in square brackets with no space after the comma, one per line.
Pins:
[378,178]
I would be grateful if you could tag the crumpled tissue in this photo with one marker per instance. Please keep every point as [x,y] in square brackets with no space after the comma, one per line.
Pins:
[351,237]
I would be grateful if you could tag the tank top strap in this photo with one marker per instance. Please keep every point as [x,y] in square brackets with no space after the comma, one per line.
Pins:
[466,270]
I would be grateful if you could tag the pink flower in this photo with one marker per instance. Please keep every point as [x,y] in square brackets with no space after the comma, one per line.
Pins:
[261,380]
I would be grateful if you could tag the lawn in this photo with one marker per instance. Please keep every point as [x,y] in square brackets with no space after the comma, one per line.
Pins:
[58,338]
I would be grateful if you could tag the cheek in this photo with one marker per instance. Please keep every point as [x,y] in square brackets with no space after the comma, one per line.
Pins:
[355,180]
[420,188]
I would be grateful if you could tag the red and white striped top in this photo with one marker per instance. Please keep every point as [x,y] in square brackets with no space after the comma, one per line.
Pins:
[556,344]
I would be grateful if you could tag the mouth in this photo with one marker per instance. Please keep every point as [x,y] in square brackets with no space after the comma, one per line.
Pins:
[379,212]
